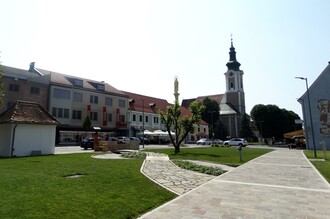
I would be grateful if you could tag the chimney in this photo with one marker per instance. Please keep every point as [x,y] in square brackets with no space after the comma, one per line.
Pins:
[31,69]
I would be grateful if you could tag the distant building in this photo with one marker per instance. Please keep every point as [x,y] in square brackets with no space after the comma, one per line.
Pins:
[143,112]
[69,99]
[232,102]
[319,93]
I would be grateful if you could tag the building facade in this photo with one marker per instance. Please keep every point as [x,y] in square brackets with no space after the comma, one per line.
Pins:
[316,111]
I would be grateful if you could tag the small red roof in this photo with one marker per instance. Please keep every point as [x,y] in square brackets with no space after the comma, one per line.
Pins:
[29,113]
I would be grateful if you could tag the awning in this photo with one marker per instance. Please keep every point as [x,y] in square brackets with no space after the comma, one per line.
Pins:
[293,134]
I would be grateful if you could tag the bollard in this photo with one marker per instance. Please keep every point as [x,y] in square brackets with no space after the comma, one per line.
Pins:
[240,153]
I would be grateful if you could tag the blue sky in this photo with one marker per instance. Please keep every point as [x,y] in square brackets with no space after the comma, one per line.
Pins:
[141,46]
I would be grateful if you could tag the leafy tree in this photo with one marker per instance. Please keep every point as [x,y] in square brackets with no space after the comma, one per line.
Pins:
[245,129]
[272,121]
[211,115]
[182,125]
[87,123]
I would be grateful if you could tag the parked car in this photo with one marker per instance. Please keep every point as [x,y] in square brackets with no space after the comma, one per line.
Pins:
[144,140]
[87,143]
[122,139]
[217,141]
[236,142]
[135,139]
[204,141]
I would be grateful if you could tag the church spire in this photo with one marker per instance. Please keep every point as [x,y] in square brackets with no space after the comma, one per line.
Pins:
[233,64]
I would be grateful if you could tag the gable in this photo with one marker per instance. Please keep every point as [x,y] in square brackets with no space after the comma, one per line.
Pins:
[27,112]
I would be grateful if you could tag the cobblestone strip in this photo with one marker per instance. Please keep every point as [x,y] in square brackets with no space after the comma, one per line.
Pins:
[161,170]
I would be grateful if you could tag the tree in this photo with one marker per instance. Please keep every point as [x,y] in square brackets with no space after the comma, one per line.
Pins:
[273,121]
[245,129]
[182,125]
[87,123]
[211,115]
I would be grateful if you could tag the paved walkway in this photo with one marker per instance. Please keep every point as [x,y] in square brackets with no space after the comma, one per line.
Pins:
[161,170]
[280,184]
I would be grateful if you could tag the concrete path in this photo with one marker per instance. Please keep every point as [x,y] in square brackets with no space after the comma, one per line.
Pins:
[280,184]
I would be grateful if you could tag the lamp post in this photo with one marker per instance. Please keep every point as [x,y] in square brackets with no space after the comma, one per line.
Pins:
[310,113]
[142,122]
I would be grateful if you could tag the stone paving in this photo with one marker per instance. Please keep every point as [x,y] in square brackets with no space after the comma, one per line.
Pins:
[161,170]
[280,184]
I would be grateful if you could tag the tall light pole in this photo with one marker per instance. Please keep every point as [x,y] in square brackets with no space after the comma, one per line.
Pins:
[310,113]
[142,122]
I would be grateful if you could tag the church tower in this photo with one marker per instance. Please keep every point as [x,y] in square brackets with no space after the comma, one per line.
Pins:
[234,83]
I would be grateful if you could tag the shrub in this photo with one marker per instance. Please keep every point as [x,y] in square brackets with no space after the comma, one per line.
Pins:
[134,154]
[199,168]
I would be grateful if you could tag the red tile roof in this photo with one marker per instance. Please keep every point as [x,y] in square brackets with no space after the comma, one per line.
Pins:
[27,112]
[138,102]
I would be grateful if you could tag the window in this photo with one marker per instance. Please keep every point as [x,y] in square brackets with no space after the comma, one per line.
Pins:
[61,94]
[93,116]
[199,129]
[100,87]
[134,118]
[60,112]
[78,83]
[77,97]
[140,118]
[94,99]
[108,101]
[122,118]
[204,129]
[232,85]
[121,103]
[147,119]
[14,87]
[156,120]
[109,117]
[76,114]
[35,90]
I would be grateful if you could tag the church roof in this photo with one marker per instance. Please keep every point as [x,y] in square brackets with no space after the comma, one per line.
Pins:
[233,64]
[216,97]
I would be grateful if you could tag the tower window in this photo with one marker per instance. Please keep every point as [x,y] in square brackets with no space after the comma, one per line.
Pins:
[232,85]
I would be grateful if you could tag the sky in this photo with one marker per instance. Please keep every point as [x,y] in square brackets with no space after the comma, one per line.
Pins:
[141,46]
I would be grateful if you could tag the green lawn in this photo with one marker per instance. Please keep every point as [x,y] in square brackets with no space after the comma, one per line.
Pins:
[37,187]
[322,166]
[223,155]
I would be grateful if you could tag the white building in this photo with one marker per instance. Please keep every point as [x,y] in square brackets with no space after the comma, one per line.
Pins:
[317,128]
[26,129]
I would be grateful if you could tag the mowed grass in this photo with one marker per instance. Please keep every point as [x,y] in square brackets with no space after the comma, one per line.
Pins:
[223,155]
[322,166]
[37,187]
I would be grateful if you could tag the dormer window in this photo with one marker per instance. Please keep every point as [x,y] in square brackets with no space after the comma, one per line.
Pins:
[100,87]
[131,100]
[78,83]
[152,104]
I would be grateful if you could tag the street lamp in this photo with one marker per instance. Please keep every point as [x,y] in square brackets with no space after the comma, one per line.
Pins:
[142,122]
[310,113]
